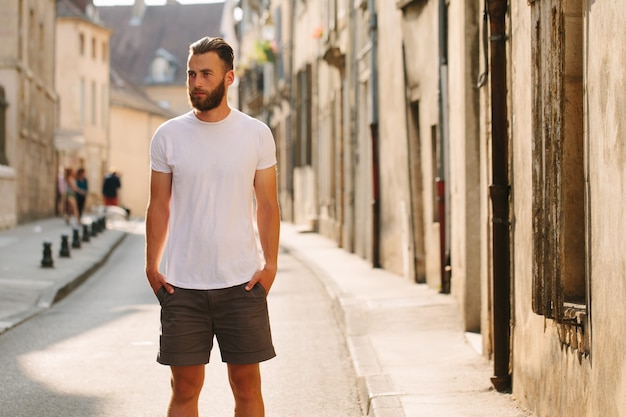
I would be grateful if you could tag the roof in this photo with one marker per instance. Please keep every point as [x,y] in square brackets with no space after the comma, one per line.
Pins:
[165,30]
[125,94]
[78,9]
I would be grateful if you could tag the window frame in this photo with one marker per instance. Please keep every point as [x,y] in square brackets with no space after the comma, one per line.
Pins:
[560,236]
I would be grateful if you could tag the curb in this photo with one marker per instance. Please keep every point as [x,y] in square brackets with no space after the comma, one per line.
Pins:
[56,293]
[59,292]
[377,396]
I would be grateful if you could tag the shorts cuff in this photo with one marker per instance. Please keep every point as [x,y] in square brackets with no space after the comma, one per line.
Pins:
[248,358]
[183,359]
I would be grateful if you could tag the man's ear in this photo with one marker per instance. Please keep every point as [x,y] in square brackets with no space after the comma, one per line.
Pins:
[230,77]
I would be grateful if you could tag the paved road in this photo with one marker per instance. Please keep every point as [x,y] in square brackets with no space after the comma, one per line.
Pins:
[92,354]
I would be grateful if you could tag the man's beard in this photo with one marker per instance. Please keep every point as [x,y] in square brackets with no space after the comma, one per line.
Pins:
[210,101]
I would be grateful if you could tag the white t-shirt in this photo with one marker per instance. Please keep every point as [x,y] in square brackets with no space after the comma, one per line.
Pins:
[211,241]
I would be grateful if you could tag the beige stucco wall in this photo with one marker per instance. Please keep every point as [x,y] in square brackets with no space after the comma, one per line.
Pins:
[307,51]
[82,80]
[549,378]
[171,97]
[131,132]
[464,167]
[420,37]
[395,194]
[8,204]
[606,135]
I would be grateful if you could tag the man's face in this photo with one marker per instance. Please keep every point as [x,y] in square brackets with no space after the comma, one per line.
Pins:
[206,81]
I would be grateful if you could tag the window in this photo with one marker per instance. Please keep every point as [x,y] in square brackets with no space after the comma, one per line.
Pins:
[94,104]
[559,233]
[435,157]
[81,44]
[93,48]
[163,67]
[83,102]
[303,143]
[105,105]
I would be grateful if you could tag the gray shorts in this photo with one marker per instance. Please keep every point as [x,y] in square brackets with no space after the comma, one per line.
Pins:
[237,318]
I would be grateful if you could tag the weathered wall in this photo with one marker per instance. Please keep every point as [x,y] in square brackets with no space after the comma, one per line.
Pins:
[606,134]
[395,237]
[464,184]
[419,27]
[8,206]
[27,73]
[550,378]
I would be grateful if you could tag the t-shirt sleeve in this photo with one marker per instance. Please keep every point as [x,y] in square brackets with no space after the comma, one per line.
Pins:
[158,155]
[267,155]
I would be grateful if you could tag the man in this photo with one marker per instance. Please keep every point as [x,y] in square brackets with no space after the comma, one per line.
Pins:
[110,187]
[206,167]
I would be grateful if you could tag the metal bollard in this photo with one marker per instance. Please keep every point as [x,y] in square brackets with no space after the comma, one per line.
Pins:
[75,239]
[47,261]
[94,229]
[86,233]
[64,252]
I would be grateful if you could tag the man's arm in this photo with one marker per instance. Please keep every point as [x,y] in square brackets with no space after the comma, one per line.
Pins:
[268,223]
[157,222]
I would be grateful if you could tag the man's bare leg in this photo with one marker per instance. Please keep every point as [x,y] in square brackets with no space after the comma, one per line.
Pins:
[245,381]
[186,386]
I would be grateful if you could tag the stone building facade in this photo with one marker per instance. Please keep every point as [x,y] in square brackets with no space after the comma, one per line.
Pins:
[28,111]
[471,146]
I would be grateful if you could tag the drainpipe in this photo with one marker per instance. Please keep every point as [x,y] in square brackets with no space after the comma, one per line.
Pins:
[3,141]
[373,29]
[499,193]
[444,143]
[291,125]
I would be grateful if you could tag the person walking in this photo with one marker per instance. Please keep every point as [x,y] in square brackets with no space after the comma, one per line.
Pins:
[82,183]
[207,168]
[110,189]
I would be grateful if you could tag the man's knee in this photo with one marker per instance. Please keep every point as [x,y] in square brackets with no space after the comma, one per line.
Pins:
[245,381]
[187,382]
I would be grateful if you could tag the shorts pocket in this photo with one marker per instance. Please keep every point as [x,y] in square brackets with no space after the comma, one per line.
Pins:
[161,294]
[260,288]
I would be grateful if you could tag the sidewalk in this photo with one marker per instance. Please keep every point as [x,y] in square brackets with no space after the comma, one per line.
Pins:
[27,287]
[406,341]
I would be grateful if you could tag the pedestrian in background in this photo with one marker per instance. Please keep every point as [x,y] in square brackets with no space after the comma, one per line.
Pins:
[61,209]
[82,183]
[110,189]
[71,192]
[206,167]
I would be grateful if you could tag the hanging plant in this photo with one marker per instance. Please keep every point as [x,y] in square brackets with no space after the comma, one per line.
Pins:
[264,51]
[317,32]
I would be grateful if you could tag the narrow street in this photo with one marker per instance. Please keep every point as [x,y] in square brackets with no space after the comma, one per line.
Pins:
[93,354]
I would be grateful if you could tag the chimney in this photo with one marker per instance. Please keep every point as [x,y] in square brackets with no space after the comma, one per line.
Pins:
[81,4]
[139,8]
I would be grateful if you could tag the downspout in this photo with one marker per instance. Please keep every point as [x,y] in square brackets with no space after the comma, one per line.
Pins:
[499,192]
[4,104]
[444,143]
[373,30]
[291,126]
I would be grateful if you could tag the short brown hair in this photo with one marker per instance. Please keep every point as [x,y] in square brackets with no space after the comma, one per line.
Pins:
[217,45]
